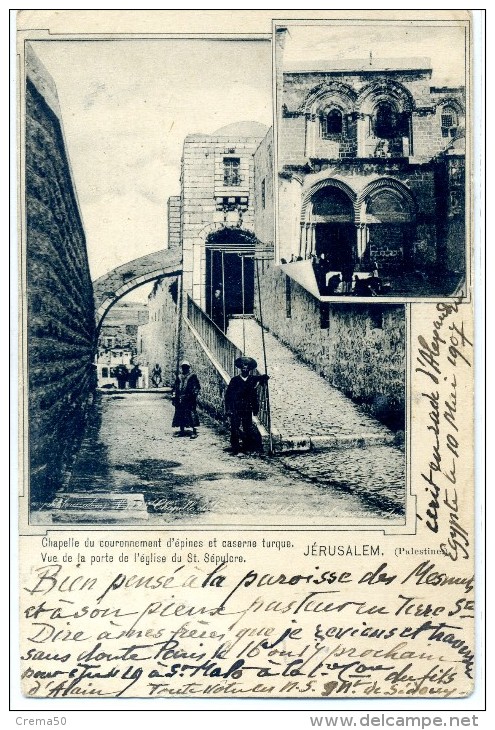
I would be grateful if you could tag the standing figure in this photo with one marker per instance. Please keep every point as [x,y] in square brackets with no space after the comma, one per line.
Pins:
[347,276]
[121,373]
[321,271]
[156,376]
[134,376]
[217,309]
[242,403]
[375,284]
[186,391]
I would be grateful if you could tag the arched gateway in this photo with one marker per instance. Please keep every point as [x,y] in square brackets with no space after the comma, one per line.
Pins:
[229,284]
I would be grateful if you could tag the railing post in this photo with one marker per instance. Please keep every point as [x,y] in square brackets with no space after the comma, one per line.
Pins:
[268,414]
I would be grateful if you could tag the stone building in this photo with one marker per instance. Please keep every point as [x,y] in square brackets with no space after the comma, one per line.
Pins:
[120,325]
[229,244]
[157,340]
[217,219]
[60,321]
[371,172]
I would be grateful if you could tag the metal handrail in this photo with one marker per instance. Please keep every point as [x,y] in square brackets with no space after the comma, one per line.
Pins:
[222,349]
[225,353]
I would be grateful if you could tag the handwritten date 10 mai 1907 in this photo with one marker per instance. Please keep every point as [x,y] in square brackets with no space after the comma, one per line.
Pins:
[439,359]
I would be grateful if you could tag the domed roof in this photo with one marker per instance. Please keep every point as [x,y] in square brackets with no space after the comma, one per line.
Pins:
[242,129]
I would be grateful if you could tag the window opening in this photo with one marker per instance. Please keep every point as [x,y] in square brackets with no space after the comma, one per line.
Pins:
[333,122]
[449,122]
[231,171]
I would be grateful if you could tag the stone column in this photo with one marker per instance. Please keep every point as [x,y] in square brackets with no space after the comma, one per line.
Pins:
[363,123]
[362,240]
[302,240]
[312,237]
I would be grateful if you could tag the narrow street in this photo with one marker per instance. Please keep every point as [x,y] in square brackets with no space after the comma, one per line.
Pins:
[130,449]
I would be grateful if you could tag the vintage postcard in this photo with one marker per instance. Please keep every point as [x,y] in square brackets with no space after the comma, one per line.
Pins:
[246,355]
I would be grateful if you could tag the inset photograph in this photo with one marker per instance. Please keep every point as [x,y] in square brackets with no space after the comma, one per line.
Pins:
[371,143]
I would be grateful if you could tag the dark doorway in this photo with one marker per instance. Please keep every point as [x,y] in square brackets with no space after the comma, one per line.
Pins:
[390,246]
[335,232]
[229,275]
[338,242]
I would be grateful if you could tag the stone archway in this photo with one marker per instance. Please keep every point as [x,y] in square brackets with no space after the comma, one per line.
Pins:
[328,217]
[114,285]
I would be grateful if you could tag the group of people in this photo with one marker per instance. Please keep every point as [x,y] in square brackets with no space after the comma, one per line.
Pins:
[346,281]
[368,284]
[241,404]
[341,282]
[127,377]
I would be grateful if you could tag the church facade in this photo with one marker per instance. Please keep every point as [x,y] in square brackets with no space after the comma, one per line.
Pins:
[371,172]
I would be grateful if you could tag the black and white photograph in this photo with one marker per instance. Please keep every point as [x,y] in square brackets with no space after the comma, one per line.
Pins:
[247,265]
[178,373]
[371,127]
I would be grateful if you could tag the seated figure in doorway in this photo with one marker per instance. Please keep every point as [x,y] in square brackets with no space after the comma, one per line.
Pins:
[333,284]
[361,287]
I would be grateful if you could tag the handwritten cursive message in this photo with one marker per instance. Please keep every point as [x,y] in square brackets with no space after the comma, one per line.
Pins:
[175,626]
[444,361]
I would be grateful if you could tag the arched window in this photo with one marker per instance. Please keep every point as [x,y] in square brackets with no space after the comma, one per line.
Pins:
[385,120]
[449,121]
[333,123]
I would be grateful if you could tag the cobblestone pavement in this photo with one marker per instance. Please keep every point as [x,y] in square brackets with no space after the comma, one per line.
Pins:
[374,473]
[130,448]
[302,402]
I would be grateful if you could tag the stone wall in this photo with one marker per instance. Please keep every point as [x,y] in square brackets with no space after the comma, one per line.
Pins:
[449,191]
[291,140]
[264,219]
[60,316]
[429,141]
[157,340]
[174,219]
[358,348]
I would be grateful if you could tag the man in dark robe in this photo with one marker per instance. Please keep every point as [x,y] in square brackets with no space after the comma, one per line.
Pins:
[134,376]
[121,373]
[242,403]
[186,391]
